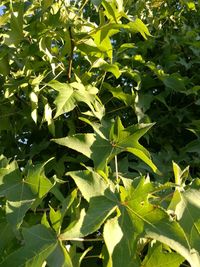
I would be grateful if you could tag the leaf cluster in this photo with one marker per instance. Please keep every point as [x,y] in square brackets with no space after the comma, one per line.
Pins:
[99,133]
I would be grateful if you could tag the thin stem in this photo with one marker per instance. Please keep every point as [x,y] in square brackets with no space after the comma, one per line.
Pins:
[53,78]
[70,61]
[82,7]
[117,173]
[11,5]
[92,256]
[9,114]
[102,80]
[82,239]
[116,169]
[114,110]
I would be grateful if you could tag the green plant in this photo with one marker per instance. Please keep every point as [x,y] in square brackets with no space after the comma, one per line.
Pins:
[97,99]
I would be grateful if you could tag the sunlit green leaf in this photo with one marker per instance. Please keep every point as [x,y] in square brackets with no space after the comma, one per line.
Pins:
[102,150]
[139,26]
[100,63]
[37,181]
[157,257]
[4,18]
[70,94]
[186,206]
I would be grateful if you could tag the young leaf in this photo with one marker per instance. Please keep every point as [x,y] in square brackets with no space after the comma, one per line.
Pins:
[139,26]
[100,63]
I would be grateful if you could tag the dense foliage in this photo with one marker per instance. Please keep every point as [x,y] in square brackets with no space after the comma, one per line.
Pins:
[99,133]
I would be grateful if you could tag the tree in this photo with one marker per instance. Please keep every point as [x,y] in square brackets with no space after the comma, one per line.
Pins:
[97,99]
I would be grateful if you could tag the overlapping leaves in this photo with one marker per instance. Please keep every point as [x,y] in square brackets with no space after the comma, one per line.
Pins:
[22,193]
[137,217]
[109,140]
[62,60]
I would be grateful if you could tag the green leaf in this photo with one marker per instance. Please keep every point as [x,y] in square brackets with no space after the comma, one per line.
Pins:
[77,258]
[120,5]
[44,221]
[174,82]
[101,148]
[90,48]
[55,218]
[186,206]
[102,203]
[156,223]
[70,94]
[63,102]
[178,235]
[39,184]
[39,243]
[6,236]
[74,230]
[18,194]
[139,26]
[126,46]
[118,93]
[90,183]
[111,11]
[112,236]
[103,43]
[140,154]
[15,35]
[4,62]
[100,63]
[180,176]
[121,240]
[93,196]
[96,2]
[4,18]
[116,130]
[67,202]
[47,3]
[59,257]
[79,142]
[173,235]
[45,47]
[90,145]
[34,105]
[99,209]
[157,257]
